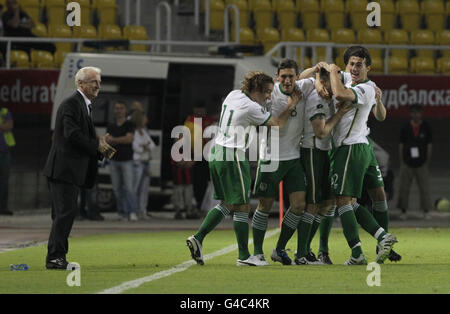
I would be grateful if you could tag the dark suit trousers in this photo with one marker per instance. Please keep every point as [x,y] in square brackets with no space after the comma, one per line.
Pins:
[64,210]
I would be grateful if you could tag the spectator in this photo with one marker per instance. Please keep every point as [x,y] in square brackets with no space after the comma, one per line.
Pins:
[182,189]
[6,142]
[121,166]
[142,150]
[17,23]
[200,171]
[415,154]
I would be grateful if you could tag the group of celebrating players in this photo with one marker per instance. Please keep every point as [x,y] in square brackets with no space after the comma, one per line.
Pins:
[325,161]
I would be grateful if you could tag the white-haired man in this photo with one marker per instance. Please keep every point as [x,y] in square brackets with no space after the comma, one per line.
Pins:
[72,161]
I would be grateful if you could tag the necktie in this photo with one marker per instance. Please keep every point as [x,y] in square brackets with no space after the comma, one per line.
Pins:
[90,110]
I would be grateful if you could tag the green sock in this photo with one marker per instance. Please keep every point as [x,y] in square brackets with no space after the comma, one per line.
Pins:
[240,226]
[350,227]
[259,227]
[288,227]
[325,229]
[367,222]
[381,214]
[316,223]
[304,230]
[214,217]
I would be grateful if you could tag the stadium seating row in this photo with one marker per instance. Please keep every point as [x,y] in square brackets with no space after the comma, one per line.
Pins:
[54,11]
[406,14]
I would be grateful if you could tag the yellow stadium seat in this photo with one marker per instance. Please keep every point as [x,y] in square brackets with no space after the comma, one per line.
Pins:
[136,32]
[388,14]
[422,65]
[19,59]
[318,35]
[287,17]
[409,13]
[216,10]
[397,37]
[41,59]
[342,36]
[262,14]
[398,65]
[443,38]
[243,11]
[61,31]
[309,12]
[32,8]
[109,31]
[434,12]
[269,37]
[295,35]
[443,65]
[356,10]
[371,36]
[106,11]
[85,31]
[334,13]
[423,37]
[246,36]
[39,30]
[56,11]
[58,58]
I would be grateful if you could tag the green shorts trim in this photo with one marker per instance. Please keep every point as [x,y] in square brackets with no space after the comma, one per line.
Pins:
[232,178]
[350,165]
[316,163]
[291,172]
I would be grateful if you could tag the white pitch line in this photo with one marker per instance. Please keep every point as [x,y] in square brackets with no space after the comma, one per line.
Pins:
[176,269]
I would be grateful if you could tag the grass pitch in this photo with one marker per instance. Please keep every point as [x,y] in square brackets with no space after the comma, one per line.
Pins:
[108,261]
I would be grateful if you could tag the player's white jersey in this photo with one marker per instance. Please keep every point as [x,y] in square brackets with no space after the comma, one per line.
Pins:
[239,114]
[290,134]
[314,106]
[352,128]
[347,80]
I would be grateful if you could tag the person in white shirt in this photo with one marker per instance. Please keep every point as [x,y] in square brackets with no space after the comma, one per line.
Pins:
[143,146]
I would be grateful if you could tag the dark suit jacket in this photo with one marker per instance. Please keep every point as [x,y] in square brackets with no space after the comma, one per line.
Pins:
[74,153]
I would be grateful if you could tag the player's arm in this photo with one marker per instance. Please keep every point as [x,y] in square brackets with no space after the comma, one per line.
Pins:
[340,92]
[293,99]
[379,111]
[311,71]
[322,127]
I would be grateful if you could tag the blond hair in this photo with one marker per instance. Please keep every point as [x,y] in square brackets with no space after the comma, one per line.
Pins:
[255,81]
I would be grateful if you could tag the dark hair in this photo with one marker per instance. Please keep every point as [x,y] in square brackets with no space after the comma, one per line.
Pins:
[324,74]
[287,64]
[415,108]
[358,51]
[255,81]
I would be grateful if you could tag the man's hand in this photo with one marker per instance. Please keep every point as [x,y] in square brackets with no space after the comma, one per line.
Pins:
[344,106]
[294,98]
[378,94]
[104,148]
[333,67]
[321,90]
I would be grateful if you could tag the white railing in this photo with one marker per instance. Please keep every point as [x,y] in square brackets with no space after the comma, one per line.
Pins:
[290,50]
[226,32]
[168,9]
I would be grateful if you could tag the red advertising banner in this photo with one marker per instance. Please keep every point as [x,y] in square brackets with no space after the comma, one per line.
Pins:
[399,92]
[28,91]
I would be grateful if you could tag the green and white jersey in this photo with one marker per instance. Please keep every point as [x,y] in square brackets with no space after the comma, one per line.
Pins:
[314,106]
[290,134]
[239,114]
[352,128]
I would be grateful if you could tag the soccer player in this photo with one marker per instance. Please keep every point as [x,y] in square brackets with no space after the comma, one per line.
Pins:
[229,168]
[373,180]
[320,120]
[353,156]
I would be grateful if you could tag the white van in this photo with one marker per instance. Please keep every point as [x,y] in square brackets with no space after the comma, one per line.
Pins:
[169,87]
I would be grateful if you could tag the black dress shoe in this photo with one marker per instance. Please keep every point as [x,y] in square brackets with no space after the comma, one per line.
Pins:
[57,263]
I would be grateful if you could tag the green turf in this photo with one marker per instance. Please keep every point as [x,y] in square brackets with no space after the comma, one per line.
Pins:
[109,260]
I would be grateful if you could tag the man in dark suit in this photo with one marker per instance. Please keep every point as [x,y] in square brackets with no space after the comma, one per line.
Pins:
[72,161]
